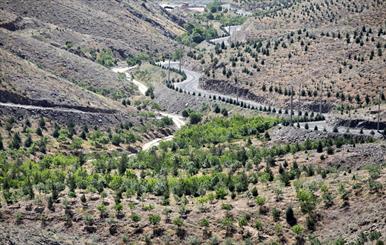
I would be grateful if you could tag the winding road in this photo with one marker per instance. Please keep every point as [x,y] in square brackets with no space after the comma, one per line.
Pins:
[191,85]
[177,120]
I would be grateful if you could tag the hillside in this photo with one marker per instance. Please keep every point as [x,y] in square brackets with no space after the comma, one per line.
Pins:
[68,38]
[117,25]
[192,122]
[333,49]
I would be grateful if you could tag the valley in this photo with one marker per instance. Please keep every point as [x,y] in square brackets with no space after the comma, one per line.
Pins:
[192,122]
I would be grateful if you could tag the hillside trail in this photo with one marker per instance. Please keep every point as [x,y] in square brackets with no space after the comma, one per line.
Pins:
[33,107]
[178,120]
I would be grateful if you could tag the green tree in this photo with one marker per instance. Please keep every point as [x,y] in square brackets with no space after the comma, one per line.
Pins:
[123,164]
[106,58]
[42,122]
[55,132]
[290,217]
[28,142]
[39,131]
[1,143]
[178,55]
[319,148]
[307,200]
[16,141]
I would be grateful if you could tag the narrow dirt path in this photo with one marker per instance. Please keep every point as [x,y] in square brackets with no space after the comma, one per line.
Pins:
[32,107]
[177,120]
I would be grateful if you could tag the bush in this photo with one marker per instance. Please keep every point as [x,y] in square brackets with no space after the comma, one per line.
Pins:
[102,210]
[106,58]
[260,200]
[116,139]
[297,229]
[150,92]
[330,150]
[135,217]
[221,193]
[195,118]
[276,214]
[1,143]
[307,200]
[154,219]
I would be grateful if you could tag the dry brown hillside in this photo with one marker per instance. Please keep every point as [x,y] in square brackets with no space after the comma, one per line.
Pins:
[25,83]
[328,48]
[78,42]
[119,25]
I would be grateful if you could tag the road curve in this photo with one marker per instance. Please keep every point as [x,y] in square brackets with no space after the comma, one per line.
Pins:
[191,85]
[177,120]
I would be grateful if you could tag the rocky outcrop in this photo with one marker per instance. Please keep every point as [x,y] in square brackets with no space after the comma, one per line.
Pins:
[9,97]
[359,123]
[101,120]
[224,87]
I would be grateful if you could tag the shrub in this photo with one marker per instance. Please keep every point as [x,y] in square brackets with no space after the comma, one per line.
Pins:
[102,210]
[260,200]
[276,214]
[135,217]
[116,139]
[258,225]
[1,143]
[88,220]
[42,123]
[39,132]
[150,92]
[204,222]
[106,58]
[297,229]
[307,200]
[330,150]
[221,193]
[319,148]
[154,219]
[195,117]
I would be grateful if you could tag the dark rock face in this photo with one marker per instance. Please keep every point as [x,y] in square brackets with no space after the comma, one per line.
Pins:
[152,22]
[102,120]
[9,97]
[315,106]
[225,87]
[358,123]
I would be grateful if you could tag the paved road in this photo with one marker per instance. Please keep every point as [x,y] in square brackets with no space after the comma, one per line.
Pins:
[191,84]
[141,87]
